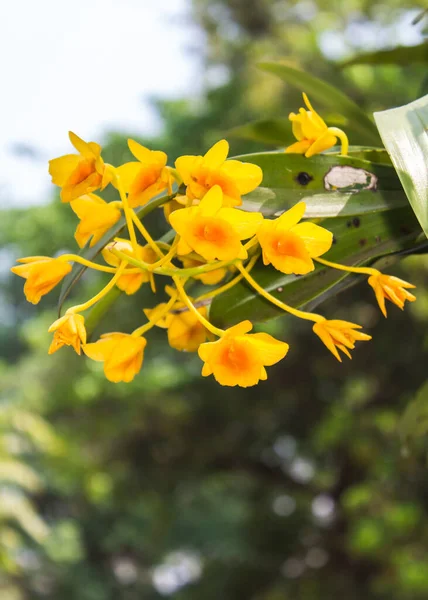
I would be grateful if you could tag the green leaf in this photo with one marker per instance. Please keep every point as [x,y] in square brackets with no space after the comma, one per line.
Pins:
[404,131]
[402,55]
[414,422]
[327,95]
[357,241]
[362,186]
[266,131]
[91,253]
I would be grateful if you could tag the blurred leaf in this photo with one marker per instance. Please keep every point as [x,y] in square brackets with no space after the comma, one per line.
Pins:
[91,253]
[361,186]
[266,131]
[414,422]
[402,55]
[404,131]
[358,241]
[326,94]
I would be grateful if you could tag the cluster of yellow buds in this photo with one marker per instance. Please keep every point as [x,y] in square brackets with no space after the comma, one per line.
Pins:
[216,243]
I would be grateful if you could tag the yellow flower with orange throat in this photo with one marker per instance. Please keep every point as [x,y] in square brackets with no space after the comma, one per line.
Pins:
[339,335]
[240,358]
[96,217]
[212,231]
[42,274]
[312,133]
[201,173]
[80,174]
[68,330]
[144,179]
[130,282]
[290,245]
[121,353]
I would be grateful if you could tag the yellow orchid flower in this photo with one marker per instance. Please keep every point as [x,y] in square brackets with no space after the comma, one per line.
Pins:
[289,245]
[239,358]
[201,173]
[79,174]
[69,330]
[209,278]
[213,231]
[130,283]
[185,331]
[121,353]
[42,274]
[145,179]
[96,217]
[313,134]
[339,334]
[390,288]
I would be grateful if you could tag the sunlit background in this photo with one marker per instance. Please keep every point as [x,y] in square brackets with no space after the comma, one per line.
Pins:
[171,486]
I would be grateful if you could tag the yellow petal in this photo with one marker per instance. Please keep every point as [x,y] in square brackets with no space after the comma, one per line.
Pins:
[239,329]
[246,176]
[271,350]
[127,174]
[61,168]
[244,223]
[211,202]
[318,121]
[324,142]
[217,154]
[100,350]
[140,152]
[85,149]
[317,240]
[292,216]
[298,147]
[184,166]
[325,337]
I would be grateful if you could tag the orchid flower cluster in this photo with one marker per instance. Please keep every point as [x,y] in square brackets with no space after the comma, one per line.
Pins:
[216,243]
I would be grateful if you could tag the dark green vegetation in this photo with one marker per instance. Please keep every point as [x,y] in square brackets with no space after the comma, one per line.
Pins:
[309,486]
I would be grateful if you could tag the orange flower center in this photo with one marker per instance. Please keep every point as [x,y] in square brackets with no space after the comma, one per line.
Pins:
[236,357]
[288,244]
[212,230]
[84,169]
[145,178]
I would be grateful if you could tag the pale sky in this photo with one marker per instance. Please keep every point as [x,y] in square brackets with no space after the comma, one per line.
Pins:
[88,66]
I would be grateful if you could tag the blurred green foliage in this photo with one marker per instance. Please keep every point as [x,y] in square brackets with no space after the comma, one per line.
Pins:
[172,486]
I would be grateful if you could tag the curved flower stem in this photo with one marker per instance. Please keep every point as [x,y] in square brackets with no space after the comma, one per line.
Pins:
[91,265]
[294,311]
[170,255]
[146,235]
[364,270]
[101,294]
[185,298]
[228,285]
[252,242]
[128,212]
[169,272]
[142,330]
[343,139]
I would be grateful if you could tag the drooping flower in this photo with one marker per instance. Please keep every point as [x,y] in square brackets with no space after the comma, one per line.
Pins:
[239,358]
[201,173]
[208,278]
[391,288]
[212,231]
[146,178]
[69,330]
[185,331]
[289,245]
[311,131]
[131,282]
[42,274]
[96,217]
[121,353]
[80,174]
[342,335]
